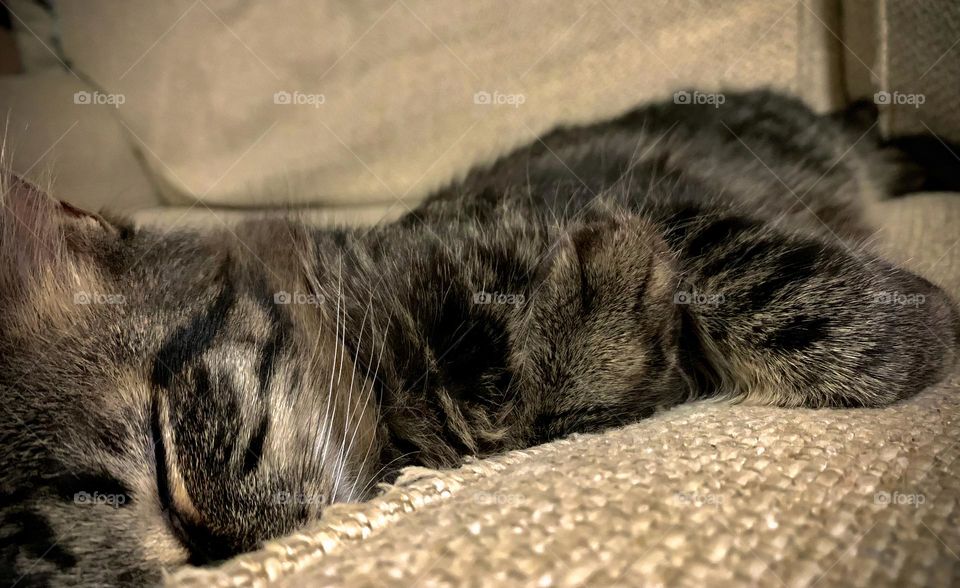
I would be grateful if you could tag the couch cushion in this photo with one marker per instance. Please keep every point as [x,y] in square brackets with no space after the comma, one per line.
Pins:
[77,149]
[921,232]
[394,94]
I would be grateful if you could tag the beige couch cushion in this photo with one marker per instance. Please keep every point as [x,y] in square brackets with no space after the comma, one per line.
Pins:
[398,81]
[77,150]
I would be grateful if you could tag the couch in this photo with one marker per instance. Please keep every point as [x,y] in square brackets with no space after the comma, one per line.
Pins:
[204,112]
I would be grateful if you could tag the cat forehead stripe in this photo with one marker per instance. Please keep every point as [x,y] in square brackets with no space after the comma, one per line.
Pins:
[190,341]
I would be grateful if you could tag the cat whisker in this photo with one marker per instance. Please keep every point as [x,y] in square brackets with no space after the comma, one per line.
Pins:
[363,412]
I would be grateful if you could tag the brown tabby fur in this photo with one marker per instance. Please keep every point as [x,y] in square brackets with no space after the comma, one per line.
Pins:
[180,397]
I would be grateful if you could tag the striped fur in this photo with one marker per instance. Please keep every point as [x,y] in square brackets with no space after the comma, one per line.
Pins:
[181,397]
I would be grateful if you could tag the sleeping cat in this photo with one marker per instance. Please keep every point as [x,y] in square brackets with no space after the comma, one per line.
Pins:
[180,397]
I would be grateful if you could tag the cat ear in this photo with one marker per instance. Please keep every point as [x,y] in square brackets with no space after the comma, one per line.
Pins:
[39,235]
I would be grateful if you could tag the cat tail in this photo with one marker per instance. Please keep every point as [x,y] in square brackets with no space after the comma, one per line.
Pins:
[903,164]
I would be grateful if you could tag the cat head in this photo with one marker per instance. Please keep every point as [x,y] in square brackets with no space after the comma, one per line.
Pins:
[163,398]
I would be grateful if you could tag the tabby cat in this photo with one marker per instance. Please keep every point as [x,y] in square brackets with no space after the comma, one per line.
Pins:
[172,398]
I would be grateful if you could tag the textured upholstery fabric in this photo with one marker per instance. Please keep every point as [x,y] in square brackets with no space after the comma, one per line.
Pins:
[705,494]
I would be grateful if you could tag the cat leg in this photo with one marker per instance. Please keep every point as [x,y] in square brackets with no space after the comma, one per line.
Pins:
[790,321]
